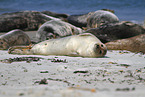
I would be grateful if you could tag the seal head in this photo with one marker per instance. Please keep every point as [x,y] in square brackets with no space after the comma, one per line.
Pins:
[100,49]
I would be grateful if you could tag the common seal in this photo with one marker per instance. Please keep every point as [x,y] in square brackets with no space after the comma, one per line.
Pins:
[24,20]
[134,44]
[56,28]
[13,38]
[84,45]
[115,31]
[81,20]
[101,17]
[61,16]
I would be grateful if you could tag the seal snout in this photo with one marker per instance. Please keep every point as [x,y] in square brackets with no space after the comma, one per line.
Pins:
[101,49]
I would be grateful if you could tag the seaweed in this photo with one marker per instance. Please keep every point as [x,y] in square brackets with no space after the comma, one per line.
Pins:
[59,61]
[125,89]
[43,81]
[124,65]
[20,59]
[80,72]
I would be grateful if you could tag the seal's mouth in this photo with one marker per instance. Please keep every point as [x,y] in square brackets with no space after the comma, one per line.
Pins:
[101,49]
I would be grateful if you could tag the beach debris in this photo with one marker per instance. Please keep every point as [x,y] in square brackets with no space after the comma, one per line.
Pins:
[125,89]
[59,60]
[124,65]
[20,59]
[81,71]
[123,52]
[42,81]
[44,71]
[61,80]
[110,80]
[112,63]
[84,89]
[21,94]
[121,71]
[4,83]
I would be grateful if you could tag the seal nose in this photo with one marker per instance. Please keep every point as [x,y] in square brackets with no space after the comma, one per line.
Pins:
[97,46]
[102,49]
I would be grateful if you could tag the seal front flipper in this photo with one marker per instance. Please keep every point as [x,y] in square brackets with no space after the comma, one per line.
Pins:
[21,50]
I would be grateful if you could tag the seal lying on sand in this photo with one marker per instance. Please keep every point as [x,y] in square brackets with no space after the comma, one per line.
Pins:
[56,28]
[84,45]
[115,31]
[134,44]
[101,17]
[12,38]
[24,20]
[81,20]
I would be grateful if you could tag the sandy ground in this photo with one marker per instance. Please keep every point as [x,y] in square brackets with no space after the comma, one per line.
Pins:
[119,73]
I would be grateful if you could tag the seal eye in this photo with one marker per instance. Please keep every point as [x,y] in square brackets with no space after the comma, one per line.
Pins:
[101,45]
[97,46]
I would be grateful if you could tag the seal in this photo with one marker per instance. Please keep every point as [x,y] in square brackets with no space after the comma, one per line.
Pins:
[83,45]
[24,20]
[101,17]
[55,29]
[13,38]
[134,44]
[61,16]
[80,20]
[115,31]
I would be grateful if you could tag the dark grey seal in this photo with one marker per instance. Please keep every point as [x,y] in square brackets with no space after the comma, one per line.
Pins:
[24,20]
[14,38]
[101,17]
[56,28]
[115,31]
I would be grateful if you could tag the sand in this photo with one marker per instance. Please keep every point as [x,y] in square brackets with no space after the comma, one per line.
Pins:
[119,73]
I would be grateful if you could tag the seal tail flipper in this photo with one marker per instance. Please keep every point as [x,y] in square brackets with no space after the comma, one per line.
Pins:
[23,50]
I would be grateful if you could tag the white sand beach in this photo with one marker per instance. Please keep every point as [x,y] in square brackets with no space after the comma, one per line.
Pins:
[119,73]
